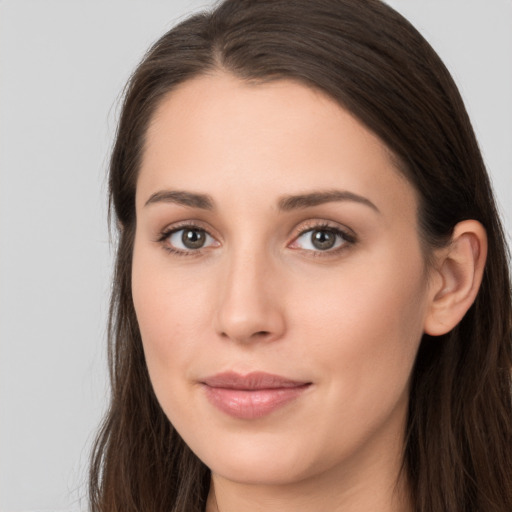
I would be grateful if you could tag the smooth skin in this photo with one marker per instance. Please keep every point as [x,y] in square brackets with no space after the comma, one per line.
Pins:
[332,288]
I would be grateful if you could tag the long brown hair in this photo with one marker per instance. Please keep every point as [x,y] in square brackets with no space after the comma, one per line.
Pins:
[375,64]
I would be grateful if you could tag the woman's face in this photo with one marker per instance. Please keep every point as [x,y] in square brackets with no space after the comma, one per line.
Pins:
[278,281]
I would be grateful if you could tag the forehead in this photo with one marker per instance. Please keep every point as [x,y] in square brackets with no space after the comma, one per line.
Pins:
[220,135]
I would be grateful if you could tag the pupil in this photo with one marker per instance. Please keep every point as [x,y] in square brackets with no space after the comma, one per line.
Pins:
[193,238]
[323,240]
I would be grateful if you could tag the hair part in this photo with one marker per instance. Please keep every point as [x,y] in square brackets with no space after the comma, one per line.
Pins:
[377,66]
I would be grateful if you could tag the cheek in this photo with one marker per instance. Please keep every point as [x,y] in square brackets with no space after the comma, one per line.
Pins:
[363,326]
[354,328]
[167,313]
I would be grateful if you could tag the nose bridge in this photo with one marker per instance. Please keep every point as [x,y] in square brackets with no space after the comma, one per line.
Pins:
[249,306]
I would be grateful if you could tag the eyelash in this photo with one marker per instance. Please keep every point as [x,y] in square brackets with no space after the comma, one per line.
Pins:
[166,233]
[349,239]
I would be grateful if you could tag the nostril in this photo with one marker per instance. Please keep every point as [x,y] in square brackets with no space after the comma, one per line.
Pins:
[254,336]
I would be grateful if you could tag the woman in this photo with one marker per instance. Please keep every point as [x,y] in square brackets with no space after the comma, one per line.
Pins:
[311,305]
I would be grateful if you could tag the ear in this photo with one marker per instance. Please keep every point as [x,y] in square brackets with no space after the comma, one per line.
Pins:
[457,277]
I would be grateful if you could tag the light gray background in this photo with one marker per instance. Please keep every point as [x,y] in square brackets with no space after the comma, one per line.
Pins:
[62,67]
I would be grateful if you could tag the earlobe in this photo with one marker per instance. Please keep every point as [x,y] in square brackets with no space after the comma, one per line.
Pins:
[459,272]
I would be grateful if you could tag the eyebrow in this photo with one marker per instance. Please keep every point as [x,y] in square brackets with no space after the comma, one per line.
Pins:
[286,203]
[297,202]
[190,199]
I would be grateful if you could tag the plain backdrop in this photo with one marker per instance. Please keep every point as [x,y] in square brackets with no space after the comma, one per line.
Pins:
[62,68]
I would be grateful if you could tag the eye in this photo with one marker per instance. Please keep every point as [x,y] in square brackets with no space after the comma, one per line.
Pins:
[187,239]
[322,239]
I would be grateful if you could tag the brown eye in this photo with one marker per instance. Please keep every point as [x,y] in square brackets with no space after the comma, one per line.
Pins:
[193,238]
[323,240]
[189,239]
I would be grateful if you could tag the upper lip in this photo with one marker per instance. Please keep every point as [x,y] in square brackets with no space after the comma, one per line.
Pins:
[251,381]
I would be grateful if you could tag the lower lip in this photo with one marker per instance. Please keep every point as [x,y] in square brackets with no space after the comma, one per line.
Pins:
[251,404]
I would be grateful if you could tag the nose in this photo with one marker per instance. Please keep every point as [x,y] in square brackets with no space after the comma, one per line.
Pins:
[250,303]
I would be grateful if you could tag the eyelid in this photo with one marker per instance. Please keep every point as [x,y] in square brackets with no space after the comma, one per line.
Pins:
[189,223]
[319,223]
[169,230]
[345,232]
[349,236]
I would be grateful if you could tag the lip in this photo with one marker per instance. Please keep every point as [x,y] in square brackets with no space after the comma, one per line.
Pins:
[253,395]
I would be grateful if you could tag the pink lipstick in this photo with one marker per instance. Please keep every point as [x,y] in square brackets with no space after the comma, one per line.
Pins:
[253,395]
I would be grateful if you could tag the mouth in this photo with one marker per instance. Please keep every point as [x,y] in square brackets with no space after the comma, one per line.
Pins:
[253,395]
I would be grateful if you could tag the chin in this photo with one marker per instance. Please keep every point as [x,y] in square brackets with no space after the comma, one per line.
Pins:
[264,459]
[260,471]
